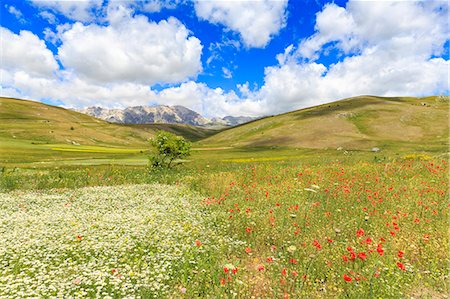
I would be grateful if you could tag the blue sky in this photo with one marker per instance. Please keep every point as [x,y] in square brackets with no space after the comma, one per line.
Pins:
[222,57]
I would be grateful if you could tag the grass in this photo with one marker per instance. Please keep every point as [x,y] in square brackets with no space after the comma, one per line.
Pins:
[294,224]
[266,221]
[356,123]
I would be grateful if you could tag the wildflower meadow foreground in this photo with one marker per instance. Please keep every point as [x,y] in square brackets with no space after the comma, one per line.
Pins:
[364,230]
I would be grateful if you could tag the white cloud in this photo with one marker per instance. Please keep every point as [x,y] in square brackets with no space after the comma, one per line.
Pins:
[392,43]
[48,16]
[207,101]
[407,27]
[227,73]
[79,10]
[393,51]
[15,12]
[256,21]
[16,54]
[131,49]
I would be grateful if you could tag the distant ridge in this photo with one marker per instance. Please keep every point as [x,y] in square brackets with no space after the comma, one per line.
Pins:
[161,114]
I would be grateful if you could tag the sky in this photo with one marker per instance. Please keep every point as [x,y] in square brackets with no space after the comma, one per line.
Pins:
[219,58]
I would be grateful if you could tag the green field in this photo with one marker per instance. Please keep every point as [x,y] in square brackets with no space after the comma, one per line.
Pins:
[268,209]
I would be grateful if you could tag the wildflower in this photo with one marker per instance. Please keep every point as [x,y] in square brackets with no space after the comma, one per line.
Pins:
[360,232]
[183,290]
[401,266]
[283,272]
[225,269]
[347,278]
[400,254]
[345,258]
[317,244]
[368,241]
[79,237]
[261,268]
[198,243]
[380,249]
[294,273]
[362,255]
[248,250]
[269,259]
[248,229]
[291,249]
[222,281]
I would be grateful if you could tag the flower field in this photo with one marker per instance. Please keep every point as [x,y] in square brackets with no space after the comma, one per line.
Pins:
[138,241]
[362,230]
[260,230]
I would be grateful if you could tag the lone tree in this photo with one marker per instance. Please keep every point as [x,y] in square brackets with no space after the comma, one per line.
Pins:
[168,148]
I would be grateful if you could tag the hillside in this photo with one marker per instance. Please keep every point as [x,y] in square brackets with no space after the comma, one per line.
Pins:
[41,123]
[35,132]
[191,133]
[356,123]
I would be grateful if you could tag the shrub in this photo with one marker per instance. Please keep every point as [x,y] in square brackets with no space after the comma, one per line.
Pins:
[168,150]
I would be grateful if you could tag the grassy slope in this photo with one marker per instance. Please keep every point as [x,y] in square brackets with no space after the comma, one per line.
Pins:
[189,132]
[355,123]
[31,131]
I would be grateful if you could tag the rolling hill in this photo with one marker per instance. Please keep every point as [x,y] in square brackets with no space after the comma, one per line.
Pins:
[359,123]
[41,123]
[31,131]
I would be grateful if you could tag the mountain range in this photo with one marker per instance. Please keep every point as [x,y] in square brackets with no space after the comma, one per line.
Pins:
[161,114]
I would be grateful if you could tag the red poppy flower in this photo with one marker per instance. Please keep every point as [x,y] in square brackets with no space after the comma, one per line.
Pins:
[248,250]
[401,266]
[400,254]
[360,232]
[362,255]
[347,278]
[317,244]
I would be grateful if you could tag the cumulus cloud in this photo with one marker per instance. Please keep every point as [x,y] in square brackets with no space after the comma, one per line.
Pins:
[80,10]
[209,101]
[16,54]
[393,49]
[392,45]
[131,49]
[256,21]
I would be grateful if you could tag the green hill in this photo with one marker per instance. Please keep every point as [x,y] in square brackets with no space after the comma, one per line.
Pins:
[356,123]
[191,133]
[31,131]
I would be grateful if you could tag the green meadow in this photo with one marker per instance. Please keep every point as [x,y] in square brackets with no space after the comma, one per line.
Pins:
[290,206]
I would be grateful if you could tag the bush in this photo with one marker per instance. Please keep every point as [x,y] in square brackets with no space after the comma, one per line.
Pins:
[168,150]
